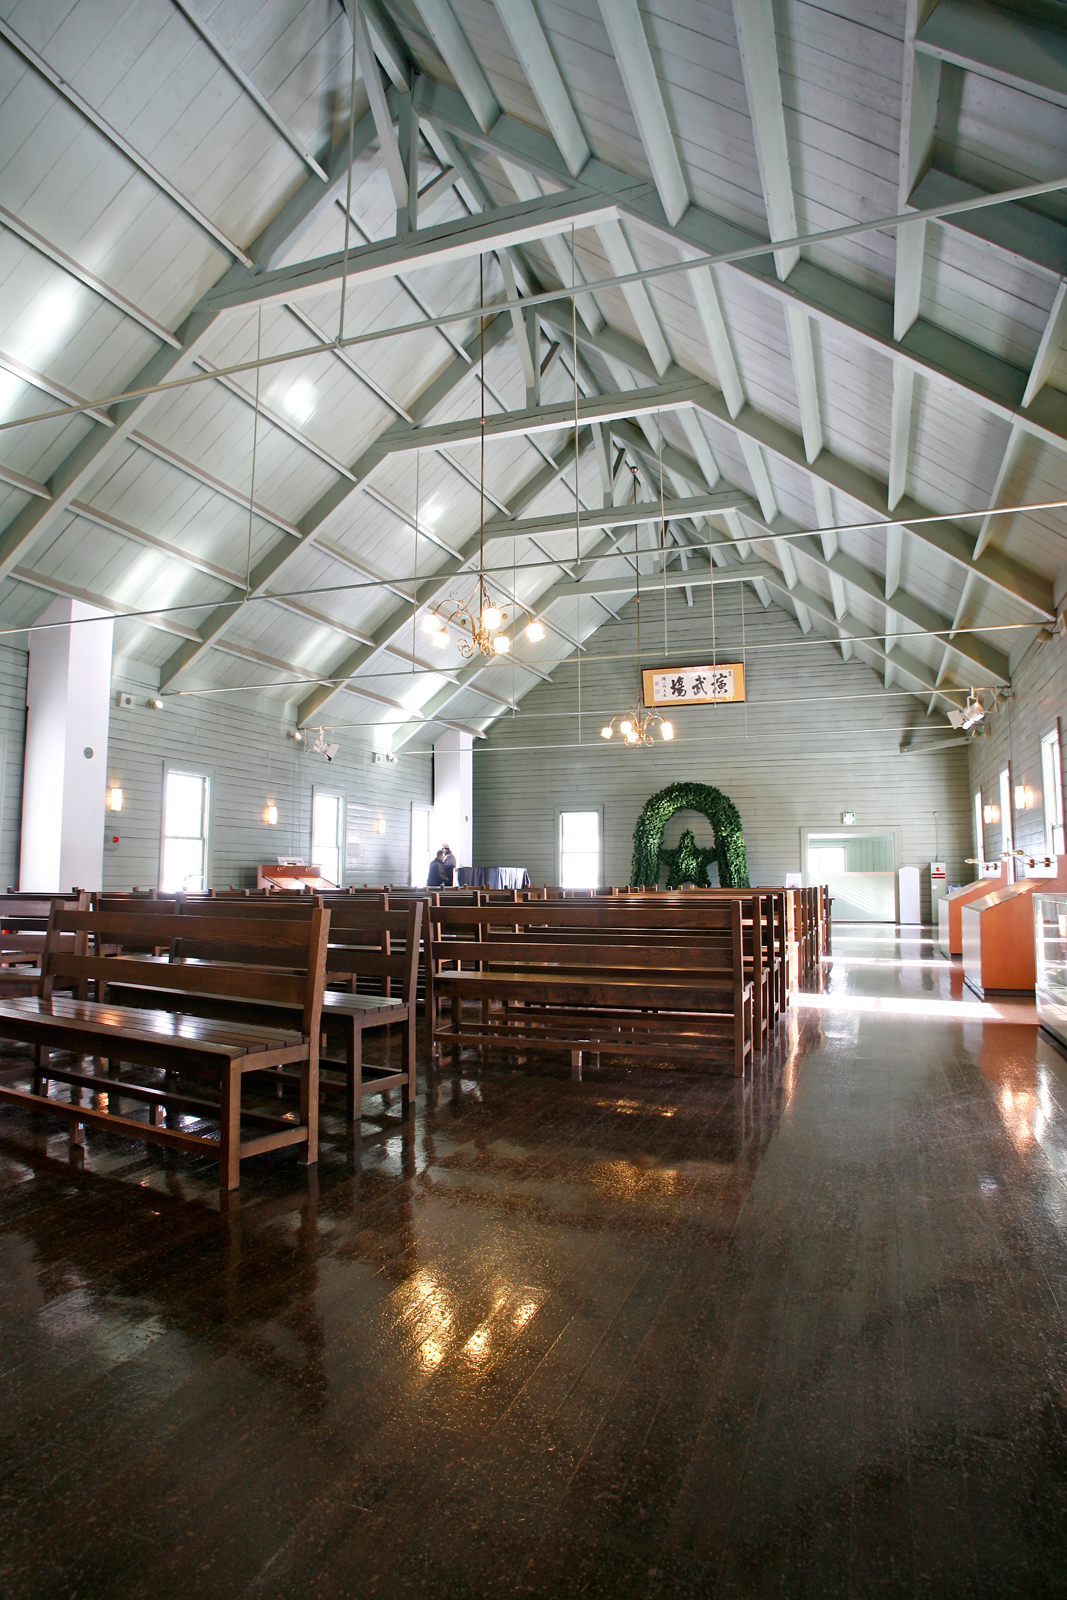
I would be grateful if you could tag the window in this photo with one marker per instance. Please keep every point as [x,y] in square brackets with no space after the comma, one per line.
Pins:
[186,818]
[979,836]
[825,861]
[421,849]
[579,849]
[327,832]
[1006,830]
[1052,784]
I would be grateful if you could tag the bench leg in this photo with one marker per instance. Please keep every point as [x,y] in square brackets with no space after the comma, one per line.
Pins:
[41,1055]
[456,1023]
[354,1073]
[407,1059]
[576,1066]
[309,1108]
[230,1127]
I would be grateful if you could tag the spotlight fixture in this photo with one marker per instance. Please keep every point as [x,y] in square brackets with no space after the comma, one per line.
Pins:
[272,816]
[968,716]
[296,736]
[115,800]
[156,704]
[322,747]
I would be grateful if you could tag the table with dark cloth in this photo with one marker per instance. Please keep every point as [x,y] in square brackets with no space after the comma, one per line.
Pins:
[492,878]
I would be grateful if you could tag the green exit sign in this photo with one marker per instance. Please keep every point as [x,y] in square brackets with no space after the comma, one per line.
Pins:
[848,818]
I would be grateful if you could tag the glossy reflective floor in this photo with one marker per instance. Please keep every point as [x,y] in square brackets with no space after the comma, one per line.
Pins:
[643,1335]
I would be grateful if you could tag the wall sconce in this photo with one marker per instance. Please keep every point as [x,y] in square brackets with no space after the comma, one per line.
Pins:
[991,813]
[114,800]
[379,826]
[272,816]
[1024,797]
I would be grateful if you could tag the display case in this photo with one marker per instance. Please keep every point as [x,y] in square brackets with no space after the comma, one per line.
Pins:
[950,906]
[1050,949]
[998,942]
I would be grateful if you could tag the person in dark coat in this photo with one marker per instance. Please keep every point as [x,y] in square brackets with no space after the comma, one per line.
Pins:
[438,876]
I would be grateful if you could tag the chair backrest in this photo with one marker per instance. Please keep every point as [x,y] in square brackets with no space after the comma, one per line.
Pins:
[295,973]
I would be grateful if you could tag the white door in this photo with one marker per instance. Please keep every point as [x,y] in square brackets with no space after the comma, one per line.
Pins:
[421,849]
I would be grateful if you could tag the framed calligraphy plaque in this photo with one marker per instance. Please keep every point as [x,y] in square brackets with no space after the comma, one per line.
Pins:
[694,686]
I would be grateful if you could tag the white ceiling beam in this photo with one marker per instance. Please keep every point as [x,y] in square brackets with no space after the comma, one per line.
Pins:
[455,51]
[637,297]
[900,430]
[1011,230]
[534,54]
[1000,495]
[617,516]
[1050,346]
[894,540]
[988,381]
[756,41]
[383,121]
[990,662]
[1028,53]
[439,245]
[1001,572]
[634,60]
[388,45]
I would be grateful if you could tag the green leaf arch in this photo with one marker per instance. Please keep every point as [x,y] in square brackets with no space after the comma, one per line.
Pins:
[720,811]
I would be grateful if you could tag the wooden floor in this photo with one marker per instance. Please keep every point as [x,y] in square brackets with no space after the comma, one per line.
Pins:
[643,1335]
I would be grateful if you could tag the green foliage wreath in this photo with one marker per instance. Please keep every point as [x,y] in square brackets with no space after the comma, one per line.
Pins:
[711,803]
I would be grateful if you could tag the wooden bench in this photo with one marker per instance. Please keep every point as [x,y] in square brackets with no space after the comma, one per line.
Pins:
[187,1047]
[369,944]
[663,981]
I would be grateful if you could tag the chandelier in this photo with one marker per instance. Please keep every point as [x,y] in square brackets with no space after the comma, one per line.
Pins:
[638,725]
[479,620]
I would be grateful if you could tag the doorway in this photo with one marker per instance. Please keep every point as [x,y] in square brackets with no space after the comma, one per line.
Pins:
[860,868]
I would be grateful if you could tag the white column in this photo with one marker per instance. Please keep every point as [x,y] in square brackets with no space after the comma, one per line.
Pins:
[453,787]
[64,776]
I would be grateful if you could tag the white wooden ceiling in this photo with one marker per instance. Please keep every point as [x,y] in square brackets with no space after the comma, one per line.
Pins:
[156,153]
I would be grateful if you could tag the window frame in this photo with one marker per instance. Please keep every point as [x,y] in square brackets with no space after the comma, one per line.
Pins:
[979,829]
[342,827]
[188,770]
[1052,738]
[569,810]
[1007,821]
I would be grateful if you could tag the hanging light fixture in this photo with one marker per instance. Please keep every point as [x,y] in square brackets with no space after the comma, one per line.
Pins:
[480,621]
[638,726]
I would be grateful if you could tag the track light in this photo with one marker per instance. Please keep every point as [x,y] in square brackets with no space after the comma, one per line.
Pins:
[968,716]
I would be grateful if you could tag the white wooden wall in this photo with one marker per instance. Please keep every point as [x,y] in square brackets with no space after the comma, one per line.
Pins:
[806,753]
[1011,737]
[254,763]
[13,666]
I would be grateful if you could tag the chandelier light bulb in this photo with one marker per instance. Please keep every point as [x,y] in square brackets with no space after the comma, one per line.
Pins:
[535,632]
[440,639]
[626,727]
[491,617]
[631,737]
[605,732]
[667,730]
[501,644]
[430,623]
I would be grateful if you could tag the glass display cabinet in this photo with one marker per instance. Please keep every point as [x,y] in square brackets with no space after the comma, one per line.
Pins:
[1050,948]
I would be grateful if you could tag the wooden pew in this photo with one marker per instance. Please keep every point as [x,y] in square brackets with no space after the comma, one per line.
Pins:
[369,943]
[664,981]
[201,1051]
